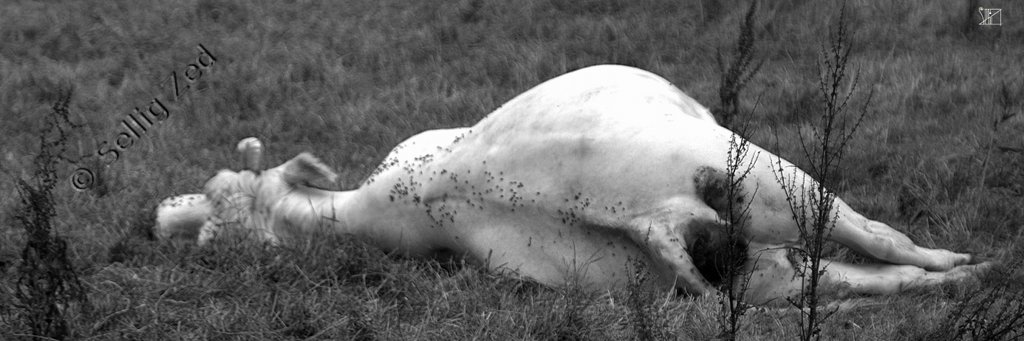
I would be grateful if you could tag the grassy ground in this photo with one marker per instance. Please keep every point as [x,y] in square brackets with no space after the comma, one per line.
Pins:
[349,81]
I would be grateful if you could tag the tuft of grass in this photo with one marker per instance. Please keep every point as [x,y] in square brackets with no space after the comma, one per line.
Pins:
[566,317]
[1007,100]
[992,312]
[646,321]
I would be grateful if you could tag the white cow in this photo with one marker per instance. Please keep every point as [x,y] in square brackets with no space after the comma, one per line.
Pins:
[574,177]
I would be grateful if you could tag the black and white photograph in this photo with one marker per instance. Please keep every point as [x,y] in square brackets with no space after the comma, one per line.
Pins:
[512,170]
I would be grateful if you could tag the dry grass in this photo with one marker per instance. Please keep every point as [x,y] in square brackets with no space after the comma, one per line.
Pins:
[348,81]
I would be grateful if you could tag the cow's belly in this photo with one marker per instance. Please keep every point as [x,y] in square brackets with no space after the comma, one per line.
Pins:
[535,244]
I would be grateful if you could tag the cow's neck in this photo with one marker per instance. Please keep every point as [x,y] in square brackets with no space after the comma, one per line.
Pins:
[310,209]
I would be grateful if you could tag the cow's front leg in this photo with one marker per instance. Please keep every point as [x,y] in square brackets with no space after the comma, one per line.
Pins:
[882,279]
[773,276]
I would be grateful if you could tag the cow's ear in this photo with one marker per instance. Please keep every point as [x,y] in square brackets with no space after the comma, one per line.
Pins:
[305,168]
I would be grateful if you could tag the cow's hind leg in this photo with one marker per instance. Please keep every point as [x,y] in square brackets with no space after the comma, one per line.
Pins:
[882,242]
[670,234]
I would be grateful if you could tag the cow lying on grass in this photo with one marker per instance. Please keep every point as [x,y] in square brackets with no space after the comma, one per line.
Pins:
[575,177]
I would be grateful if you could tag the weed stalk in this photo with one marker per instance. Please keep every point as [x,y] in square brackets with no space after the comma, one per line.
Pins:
[736,216]
[47,283]
[739,71]
[812,208]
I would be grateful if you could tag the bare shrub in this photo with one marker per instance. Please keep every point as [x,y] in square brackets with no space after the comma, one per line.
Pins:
[825,151]
[47,283]
[736,217]
[739,71]
[734,77]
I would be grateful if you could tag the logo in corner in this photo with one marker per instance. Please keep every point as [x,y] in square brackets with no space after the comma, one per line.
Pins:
[991,16]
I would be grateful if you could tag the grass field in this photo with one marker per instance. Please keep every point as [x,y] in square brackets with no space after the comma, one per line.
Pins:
[347,81]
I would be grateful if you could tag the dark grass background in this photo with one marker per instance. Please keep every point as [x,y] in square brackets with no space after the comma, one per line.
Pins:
[349,80]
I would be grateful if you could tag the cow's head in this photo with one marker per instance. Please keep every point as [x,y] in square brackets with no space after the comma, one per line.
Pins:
[242,200]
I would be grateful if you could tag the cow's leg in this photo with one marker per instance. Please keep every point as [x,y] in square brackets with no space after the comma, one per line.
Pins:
[774,277]
[878,240]
[663,234]
[880,279]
